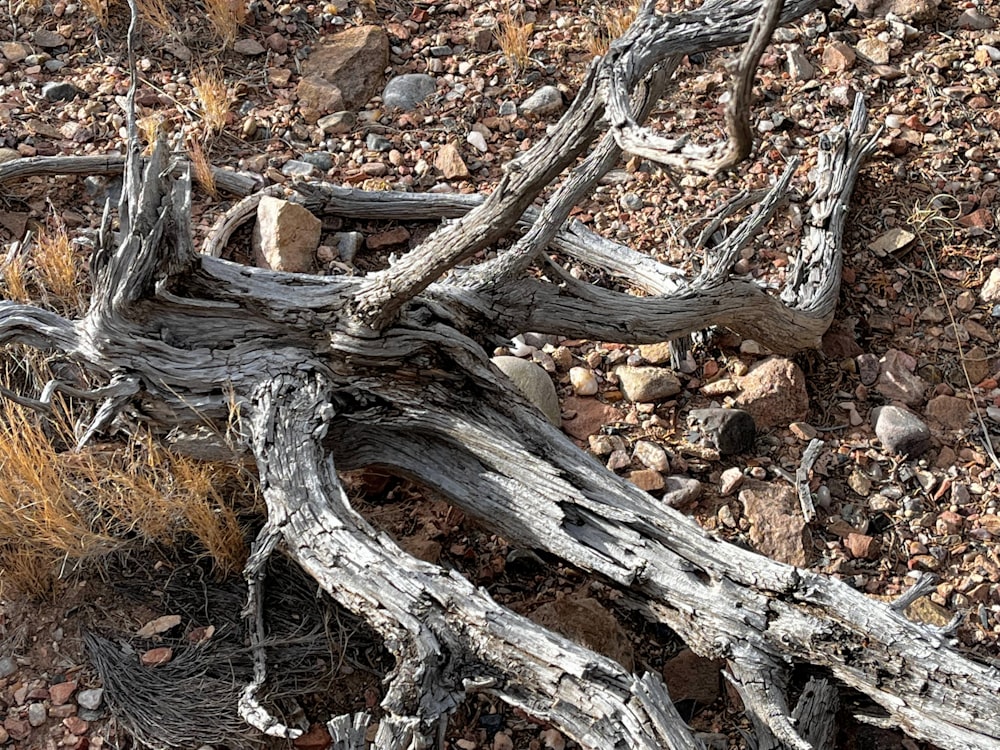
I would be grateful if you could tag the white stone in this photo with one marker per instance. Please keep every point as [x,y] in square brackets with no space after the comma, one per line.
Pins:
[583,380]
[286,236]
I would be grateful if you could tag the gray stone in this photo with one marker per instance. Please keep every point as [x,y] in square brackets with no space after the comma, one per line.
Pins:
[799,67]
[441,50]
[249,47]
[533,383]
[973,20]
[90,699]
[405,92]
[507,108]
[546,101]
[8,666]
[37,714]
[645,384]
[286,236]
[297,168]
[353,60]
[680,491]
[54,66]
[348,244]
[901,431]
[729,431]
[376,142]
[322,160]
[59,91]
[908,10]
[49,39]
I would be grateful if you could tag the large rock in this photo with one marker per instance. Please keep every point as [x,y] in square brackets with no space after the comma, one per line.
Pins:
[774,393]
[950,412]
[644,384]
[897,381]
[533,383]
[692,677]
[286,236]
[354,61]
[901,431]
[589,623]
[777,527]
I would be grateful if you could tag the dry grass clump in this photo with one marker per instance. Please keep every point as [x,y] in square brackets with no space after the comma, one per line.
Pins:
[59,506]
[213,98]
[226,16]
[47,271]
[612,22]
[201,168]
[156,14]
[514,37]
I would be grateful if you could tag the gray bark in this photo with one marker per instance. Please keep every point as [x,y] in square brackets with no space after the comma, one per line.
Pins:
[390,370]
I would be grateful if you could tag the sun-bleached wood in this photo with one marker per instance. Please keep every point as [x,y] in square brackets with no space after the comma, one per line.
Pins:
[391,370]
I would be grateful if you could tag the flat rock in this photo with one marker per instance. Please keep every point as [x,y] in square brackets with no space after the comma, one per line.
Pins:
[249,47]
[692,677]
[353,60]
[14,51]
[651,455]
[548,100]
[897,381]
[647,480]
[285,236]
[901,431]
[589,415]
[405,92]
[48,39]
[730,431]
[8,666]
[863,547]
[874,49]
[589,623]
[774,393]
[972,20]
[533,383]
[61,692]
[777,527]
[655,354]
[337,123]
[388,238]
[950,412]
[646,384]
[893,241]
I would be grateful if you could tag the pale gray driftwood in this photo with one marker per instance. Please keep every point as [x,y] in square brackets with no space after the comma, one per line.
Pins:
[391,370]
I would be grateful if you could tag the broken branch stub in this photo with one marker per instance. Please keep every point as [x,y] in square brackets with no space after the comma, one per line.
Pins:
[390,370]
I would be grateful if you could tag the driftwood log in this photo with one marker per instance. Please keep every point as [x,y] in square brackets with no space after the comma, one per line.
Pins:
[391,370]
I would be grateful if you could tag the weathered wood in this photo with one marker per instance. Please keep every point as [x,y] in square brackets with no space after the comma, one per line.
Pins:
[391,370]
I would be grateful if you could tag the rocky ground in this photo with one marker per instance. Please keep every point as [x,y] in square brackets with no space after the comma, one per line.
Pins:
[903,397]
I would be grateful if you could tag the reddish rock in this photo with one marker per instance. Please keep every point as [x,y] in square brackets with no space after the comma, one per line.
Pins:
[354,60]
[449,162]
[388,238]
[897,381]
[774,393]
[950,412]
[588,622]
[863,547]
[156,656]
[692,677]
[777,528]
[589,416]
[18,729]
[949,522]
[61,692]
[76,725]
[981,218]
[317,738]
[838,56]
